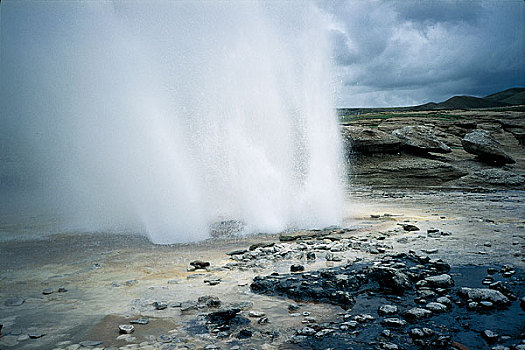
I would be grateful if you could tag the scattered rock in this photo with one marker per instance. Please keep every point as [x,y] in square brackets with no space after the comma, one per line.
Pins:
[256,314]
[126,329]
[199,264]
[90,343]
[409,227]
[141,321]
[223,315]
[293,307]
[130,283]
[394,322]
[263,320]
[387,310]
[159,305]
[209,301]
[296,268]
[14,301]
[324,333]
[35,335]
[419,333]
[165,338]
[436,307]
[306,331]
[489,336]
[390,278]
[237,252]
[479,294]
[245,333]
[444,301]
[364,318]
[440,281]
[212,281]
[417,313]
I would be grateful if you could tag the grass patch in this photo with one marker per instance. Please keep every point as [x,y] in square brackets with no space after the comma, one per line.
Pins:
[384,116]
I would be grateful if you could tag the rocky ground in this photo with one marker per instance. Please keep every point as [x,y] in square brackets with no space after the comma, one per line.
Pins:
[430,256]
[449,149]
[408,270]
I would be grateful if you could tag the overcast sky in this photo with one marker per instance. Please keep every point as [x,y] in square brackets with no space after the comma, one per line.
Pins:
[386,52]
[398,53]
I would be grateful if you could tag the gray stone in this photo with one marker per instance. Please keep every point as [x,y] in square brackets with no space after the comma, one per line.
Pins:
[160,305]
[364,318]
[489,335]
[436,307]
[389,346]
[223,315]
[420,139]
[480,294]
[486,304]
[90,343]
[386,333]
[393,322]
[440,281]
[126,329]
[293,307]
[409,227]
[444,300]
[35,335]
[387,310]
[369,140]
[199,264]
[165,338]
[296,268]
[307,331]
[349,325]
[323,332]
[14,301]
[486,147]
[141,321]
[417,313]
[390,278]
[419,333]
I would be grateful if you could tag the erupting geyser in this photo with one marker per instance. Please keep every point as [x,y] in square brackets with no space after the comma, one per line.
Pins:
[167,117]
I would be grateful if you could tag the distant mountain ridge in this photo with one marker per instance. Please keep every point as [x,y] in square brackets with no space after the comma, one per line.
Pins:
[513,96]
[510,97]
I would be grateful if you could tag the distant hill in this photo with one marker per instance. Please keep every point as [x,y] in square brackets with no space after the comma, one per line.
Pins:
[509,97]
[514,96]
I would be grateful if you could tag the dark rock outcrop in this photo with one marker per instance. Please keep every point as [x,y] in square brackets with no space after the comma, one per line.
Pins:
[339,286]
[486,147]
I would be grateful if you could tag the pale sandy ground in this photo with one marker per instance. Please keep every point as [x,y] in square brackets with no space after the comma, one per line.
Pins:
[486,229]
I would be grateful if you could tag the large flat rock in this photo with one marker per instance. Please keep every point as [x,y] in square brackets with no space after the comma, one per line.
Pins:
[403,170]
[420,139]
[486,147]
[368,140]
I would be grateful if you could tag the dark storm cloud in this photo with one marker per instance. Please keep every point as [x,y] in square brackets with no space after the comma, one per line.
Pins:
[412,52]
